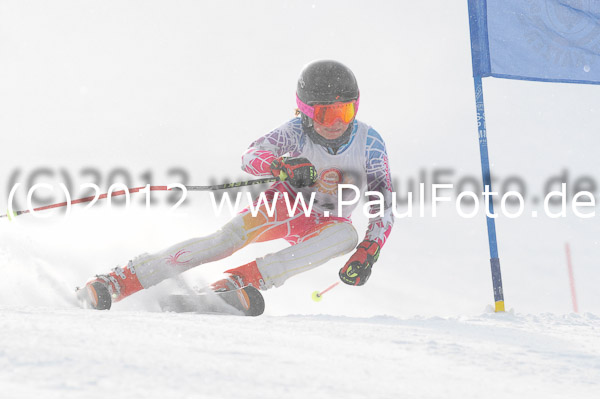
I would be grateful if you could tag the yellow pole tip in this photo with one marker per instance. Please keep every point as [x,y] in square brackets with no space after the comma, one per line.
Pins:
[316,297]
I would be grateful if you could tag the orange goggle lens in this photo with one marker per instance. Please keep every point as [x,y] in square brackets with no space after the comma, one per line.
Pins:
[328,114]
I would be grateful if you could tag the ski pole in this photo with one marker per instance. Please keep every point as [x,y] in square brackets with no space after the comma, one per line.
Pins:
[233,185]
[317,296]
[214,187]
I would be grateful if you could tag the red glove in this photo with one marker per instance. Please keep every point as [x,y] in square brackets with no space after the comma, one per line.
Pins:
[358,268]
[298,171]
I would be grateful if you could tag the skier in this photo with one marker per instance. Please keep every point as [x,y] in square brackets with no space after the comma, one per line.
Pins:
[323,146]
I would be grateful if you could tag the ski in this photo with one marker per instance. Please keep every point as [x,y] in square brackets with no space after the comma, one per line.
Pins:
[247,301]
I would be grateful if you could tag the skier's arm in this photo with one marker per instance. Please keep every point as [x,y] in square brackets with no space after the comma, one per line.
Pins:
[357,269]
[379,180]
[260,155]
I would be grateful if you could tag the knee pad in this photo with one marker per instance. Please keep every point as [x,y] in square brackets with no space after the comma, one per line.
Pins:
[349,230]
[333,241]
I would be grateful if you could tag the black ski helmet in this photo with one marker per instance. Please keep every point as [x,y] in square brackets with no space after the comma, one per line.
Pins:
[326,82]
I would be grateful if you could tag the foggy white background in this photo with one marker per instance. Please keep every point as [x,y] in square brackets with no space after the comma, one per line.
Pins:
[151,85]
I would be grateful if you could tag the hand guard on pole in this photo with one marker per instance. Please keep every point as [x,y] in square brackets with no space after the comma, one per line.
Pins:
[358,268]
[300,172]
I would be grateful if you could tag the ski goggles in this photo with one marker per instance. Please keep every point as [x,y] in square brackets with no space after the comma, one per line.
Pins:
[327,114]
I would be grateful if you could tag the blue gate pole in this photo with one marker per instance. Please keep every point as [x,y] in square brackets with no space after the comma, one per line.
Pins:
[487,182]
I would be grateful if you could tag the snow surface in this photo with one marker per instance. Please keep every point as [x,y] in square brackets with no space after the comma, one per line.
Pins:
[148,86]
[153,355]
[71,353]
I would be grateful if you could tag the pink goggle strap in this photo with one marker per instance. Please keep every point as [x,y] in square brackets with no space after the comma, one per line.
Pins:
[305,108]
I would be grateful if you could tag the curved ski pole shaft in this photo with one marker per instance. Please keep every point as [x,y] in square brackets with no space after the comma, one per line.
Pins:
[317,296]
[85,199]
[332,286]
[137,189]
[233,185]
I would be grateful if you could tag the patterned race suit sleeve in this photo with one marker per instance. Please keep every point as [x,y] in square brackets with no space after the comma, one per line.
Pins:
[280,141]
[378,179]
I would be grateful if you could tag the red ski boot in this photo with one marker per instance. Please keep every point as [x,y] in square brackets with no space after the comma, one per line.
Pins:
[100,291]
[241,277]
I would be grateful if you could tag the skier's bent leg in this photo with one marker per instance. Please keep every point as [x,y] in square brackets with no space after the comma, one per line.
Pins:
[152,269]
[329,241]
[149,269]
